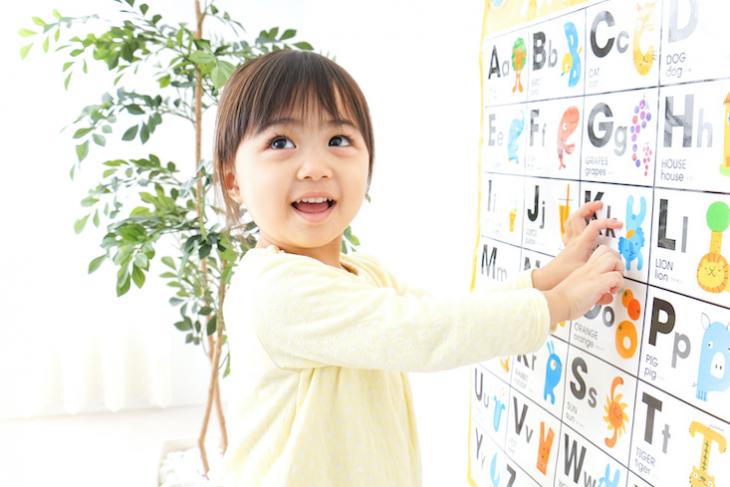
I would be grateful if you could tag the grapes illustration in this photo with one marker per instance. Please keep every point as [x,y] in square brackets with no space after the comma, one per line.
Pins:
[639,121]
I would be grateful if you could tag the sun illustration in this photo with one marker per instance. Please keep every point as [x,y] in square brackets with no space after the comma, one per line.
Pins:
[615,410]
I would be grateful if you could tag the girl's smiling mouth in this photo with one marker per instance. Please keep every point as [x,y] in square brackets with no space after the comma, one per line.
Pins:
[314,210]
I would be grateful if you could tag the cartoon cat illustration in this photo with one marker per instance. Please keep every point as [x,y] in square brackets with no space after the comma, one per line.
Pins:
[643,60]
[529,7]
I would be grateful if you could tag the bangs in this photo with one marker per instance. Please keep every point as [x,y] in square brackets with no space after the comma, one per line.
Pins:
[296,87]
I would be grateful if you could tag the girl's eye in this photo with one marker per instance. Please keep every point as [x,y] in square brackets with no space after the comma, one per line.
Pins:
[340,141]
[280,142]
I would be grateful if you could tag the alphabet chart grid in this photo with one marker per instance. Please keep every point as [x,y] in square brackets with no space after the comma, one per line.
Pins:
[627,102]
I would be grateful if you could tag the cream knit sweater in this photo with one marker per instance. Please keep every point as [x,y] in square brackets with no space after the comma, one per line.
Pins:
[319,355]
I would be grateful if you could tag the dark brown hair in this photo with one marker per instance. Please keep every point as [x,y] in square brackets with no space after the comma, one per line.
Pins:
[277,84]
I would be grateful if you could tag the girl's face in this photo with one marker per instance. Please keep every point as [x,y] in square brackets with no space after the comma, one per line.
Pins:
[292,158]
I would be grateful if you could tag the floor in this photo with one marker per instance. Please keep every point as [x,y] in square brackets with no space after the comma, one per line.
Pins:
[122,448]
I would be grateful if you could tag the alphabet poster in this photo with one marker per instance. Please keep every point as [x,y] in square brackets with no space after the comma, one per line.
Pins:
[627,102]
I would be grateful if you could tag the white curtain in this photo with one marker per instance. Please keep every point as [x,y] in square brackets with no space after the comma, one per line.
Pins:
[67,343]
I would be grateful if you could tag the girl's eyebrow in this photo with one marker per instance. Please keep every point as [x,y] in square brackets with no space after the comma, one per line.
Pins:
[294,121]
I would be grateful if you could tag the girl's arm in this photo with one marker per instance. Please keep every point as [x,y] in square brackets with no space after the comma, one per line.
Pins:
[521,280]
[307,314]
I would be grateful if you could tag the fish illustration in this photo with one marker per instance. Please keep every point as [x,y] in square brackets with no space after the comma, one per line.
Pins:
[568,123]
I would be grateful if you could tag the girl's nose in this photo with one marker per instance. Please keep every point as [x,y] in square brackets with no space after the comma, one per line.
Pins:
[315,167]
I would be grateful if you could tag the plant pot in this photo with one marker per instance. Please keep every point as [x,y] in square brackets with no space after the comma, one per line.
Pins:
[180,464]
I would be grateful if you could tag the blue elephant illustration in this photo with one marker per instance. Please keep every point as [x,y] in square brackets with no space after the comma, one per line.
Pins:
[714,358]
[630,246]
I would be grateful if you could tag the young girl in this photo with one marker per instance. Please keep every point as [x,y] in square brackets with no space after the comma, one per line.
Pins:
[321,341]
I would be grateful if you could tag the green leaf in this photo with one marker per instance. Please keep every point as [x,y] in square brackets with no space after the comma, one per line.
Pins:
[25,32]
[304,45]
[80,223]
[81,132]
[202,57]
[95,220]
[175,301]
[204,250]
[38,21]
[222,71]
[24,50]
[89,201]
[144,134]
[115,162]
[99,139]
[211,325]
[138,276]
[66,81]
[56,14]
[45,44]
[130,133]
[273,32]
[165,81]
[188,338]
[140,211]
[168,262]
[95,263]
[205,310]
[184,325]
[141,261]
[135,109]
[82,150]
[143,8]
[288,34]
[67,65]
[123,284]
[57,34]
[132,231]
[107,129]
[228,365]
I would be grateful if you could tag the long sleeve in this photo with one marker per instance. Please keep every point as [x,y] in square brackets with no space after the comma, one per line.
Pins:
[522,280]
[308,314]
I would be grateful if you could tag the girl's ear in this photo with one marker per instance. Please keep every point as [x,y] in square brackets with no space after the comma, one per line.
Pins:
[232,187]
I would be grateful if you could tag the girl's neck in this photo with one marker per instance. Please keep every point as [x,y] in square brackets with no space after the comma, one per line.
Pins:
[328,254]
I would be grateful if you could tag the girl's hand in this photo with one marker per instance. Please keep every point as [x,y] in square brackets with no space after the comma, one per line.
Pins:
[593,283]
[580,240]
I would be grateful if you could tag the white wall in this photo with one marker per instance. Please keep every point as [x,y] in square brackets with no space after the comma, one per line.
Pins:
[417,63]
